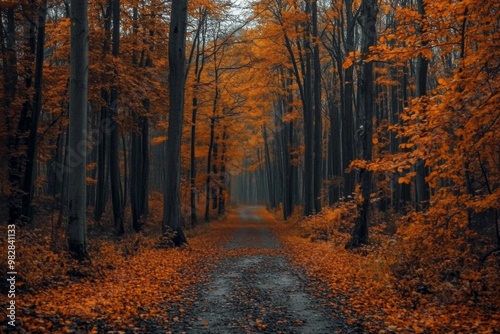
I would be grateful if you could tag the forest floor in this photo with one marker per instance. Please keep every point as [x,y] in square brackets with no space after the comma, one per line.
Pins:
[255,289]
[235,277]
[247,273]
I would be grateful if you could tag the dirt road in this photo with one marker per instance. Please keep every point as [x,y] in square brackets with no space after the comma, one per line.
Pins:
[255,290]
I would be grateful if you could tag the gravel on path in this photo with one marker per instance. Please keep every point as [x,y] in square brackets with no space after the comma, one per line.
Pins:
[258,292]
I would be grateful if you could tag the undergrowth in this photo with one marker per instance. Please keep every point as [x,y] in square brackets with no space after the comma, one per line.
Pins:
[415,275]
[125,281]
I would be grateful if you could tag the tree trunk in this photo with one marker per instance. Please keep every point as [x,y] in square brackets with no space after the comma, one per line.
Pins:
[334,153]
[308,124]
[269,171]
[212,139]
[287,142]
[318,117]
[28,186]
[214,172]
[139,170]
[348,130]
[10,89]
[114,150]
[209,164]
[77,145]
[18,142]
[422,188]
[222,178]
[104,135]
[367,21]
[177,66]
[144,186]
[139,154]
[198,69]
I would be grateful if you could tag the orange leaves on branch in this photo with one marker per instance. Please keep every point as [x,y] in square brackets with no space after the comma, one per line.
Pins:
[407,178]
[347,63]
[158,140]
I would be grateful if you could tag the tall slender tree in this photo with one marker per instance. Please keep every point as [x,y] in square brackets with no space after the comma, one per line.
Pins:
[177,67]
[114,159]
[318,117]
[421,186]
[77,141]
[36,109]
[348,128]
[367,20]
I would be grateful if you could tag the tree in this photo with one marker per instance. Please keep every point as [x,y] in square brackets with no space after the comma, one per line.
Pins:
[177,67]
[348,128]
[77,144]
[367,21]
[114,159]
[422,188]
[36,109]
[10,79]
[139,155]
[318,114]
[198,48]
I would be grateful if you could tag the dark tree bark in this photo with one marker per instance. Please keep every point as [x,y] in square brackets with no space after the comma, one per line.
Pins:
[139,170]
[10,88]
[209,159]
[334,149]
[214,172]
[9,60]
[269,171]
[36,109]
[198,69]
[139,155]
[286,149]
[348,130]
[308,110]
[77,145]
[336,107]
[422,188]
[211,144]
[104,135]
[367,21]
[177,66]
[318,118]
[18,142]
[114,149]
[222,177]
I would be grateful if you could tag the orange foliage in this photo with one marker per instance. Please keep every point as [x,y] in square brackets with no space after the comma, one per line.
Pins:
[409,282]
[125,281]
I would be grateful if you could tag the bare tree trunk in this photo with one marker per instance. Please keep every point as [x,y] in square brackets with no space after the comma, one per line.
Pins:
[212,140]
[177,66]
[139,170]
[114,159]
[144,186]
[104,135]
[348,130]
[222,178]
[287,146]
[269,170]
[77,145]
[367,21]
[10,88]
[318,117]
[198,69]
[28,184]
[422,188]
[139,155]
[308,124]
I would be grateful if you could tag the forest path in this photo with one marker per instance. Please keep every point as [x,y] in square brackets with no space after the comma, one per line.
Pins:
[254,289]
